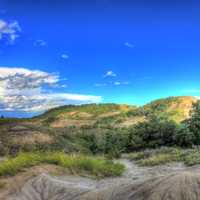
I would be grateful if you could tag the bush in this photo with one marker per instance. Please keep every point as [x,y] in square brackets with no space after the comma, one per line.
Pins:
[155,132]
[194,122]
[184,137]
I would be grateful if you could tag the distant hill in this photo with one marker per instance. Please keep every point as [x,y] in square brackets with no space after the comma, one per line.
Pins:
[69,127]
[177,108]
[82,115]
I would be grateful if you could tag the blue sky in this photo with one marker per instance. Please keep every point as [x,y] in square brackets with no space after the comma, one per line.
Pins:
[102,50]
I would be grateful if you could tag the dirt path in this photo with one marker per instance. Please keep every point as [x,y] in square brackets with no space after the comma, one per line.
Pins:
[135,172]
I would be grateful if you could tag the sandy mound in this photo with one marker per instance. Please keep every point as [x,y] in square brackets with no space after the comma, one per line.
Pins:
[181,186]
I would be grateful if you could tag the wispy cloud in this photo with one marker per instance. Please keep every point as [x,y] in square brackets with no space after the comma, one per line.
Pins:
[100,84]
[22,89]
[40,43]
[128,44]
[111,83]
[9,31]
[110,73]
[121,83]
[64,56]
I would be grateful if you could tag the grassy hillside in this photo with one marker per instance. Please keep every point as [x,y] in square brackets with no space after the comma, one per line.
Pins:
[177,108]
[85,128]
[84,115]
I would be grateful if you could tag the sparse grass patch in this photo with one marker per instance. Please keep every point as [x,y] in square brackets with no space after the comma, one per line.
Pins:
[137,155]
[160,159]
[166,155]
[76,164]
[148,153]
[192,158]
[152,157]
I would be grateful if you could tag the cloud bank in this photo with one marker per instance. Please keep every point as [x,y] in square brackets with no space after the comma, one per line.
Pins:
[28,90]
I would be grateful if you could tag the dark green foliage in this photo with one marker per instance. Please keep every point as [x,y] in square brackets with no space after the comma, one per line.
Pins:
[157,131]
[194,122]
[184,137]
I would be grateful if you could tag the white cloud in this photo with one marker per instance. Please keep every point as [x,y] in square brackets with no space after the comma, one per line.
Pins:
[64,56]
[9,31]
[110,73]
[40,43]
[121,83]
[116,83]
[128,44]
[22,89]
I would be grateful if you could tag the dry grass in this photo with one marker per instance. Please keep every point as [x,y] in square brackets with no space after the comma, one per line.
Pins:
[34,138]
[166,155]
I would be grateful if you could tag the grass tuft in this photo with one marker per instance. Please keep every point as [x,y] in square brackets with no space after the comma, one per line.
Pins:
[76,164]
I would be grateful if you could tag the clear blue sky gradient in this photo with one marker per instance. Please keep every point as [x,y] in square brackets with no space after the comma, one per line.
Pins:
[162,57]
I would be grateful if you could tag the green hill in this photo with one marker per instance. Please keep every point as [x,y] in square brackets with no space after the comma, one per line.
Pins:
[74,128]
[177,108]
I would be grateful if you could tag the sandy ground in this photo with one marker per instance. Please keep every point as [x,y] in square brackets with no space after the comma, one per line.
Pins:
[72,187]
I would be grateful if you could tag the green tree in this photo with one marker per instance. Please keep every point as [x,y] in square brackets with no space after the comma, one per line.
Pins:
[194,122]
[156,131]
[184,137]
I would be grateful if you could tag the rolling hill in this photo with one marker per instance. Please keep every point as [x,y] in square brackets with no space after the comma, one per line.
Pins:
[176,108]
[69,127]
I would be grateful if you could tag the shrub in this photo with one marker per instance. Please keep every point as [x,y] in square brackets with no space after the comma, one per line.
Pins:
[155,132]
[184,137]
[194,122]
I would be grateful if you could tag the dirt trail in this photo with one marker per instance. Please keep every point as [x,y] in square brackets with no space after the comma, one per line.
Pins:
[135,172]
